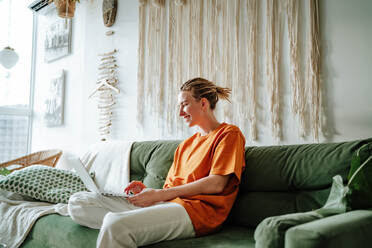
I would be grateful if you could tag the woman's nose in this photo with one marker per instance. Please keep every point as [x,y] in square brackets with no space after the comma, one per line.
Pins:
[182,113]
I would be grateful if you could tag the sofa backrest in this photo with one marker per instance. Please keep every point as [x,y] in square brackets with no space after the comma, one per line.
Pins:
[287,179]
[277,179]
[151,160]
[297,167]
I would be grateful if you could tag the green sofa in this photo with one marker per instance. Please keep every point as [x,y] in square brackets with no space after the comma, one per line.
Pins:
[277,180]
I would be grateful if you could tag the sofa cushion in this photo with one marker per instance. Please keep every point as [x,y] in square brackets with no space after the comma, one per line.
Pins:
[251,208]
[43,183]
[59,231]
[54,230]
[151,160]
[297,167]
[351,229]
[229,236]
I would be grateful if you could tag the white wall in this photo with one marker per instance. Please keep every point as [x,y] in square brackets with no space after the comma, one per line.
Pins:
[67,137]
[346,65]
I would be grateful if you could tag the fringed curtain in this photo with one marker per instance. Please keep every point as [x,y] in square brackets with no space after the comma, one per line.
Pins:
[141,61]
[298,103]
[218,40]
[272,65]
[250,72]
[314,68]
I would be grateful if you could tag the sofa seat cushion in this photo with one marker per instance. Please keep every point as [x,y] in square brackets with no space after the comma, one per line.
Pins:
[59,231]
[251,208]
[229,236]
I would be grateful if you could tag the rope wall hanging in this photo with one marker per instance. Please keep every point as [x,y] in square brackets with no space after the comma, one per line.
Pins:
[314,68]
[272,65]
[298,94]
[106,86]
[141,62]
[218,40]
[250,73]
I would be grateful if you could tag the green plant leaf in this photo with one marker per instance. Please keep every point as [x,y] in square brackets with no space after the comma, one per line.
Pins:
[360,179]
[4,171]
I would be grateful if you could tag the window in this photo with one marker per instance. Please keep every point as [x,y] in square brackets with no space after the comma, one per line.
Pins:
[16,31]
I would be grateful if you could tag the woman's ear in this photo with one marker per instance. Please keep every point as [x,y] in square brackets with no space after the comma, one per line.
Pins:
[204,103]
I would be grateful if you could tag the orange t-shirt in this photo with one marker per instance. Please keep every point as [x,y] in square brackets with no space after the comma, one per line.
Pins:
[220,152]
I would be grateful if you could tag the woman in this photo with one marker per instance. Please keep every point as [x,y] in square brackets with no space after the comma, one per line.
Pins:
[199,190]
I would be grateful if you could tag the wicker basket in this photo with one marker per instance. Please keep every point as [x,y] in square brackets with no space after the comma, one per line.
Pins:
[47,157]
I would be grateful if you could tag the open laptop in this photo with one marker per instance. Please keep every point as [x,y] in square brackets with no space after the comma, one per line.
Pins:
[87,180]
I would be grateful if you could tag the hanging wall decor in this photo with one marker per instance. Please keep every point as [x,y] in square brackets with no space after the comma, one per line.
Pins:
[54,102]
[141,59]
[106,86]
[109,8]
[272,66]
[235,43]
[65,8]
[314,69]
[298,103]
[251,72]
[57,42]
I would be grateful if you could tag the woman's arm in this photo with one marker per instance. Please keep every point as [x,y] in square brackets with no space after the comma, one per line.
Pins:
[212,184]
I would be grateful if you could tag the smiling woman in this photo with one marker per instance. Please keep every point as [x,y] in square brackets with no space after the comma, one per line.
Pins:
[199,190]
[16,28]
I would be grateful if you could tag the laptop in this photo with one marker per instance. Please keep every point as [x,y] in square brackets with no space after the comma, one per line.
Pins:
[80,169]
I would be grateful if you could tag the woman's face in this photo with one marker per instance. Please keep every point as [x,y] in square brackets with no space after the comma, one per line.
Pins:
[190,108]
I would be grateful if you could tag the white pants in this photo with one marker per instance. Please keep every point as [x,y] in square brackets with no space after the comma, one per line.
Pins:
[122,224]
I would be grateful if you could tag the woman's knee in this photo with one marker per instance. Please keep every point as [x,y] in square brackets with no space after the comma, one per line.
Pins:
[77,204]
[115,233]
[112,221]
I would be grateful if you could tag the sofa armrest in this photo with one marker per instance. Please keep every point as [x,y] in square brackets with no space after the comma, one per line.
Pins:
[351,229]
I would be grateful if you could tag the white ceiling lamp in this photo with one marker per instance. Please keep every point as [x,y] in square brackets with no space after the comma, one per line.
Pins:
[8,57]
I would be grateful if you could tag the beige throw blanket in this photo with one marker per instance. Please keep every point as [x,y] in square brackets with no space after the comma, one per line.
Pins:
[109,161]
[18,215]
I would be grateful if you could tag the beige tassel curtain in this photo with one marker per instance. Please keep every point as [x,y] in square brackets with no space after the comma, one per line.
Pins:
[141,61]
[219,40]
[314,68]
[297,87]
[272,65]
[250,73]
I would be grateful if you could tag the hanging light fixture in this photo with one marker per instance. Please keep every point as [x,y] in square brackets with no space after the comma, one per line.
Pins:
[8,57]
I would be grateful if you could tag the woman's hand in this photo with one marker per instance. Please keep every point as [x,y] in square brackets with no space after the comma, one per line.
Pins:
[134,188]
[147,197]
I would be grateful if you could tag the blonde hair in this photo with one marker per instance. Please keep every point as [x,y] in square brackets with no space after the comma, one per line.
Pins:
[203,88]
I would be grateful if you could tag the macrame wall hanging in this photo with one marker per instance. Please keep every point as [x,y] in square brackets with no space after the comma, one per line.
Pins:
[250,72]
[218,40]
[106,86]
[272,65]
[314,68]
[297,87]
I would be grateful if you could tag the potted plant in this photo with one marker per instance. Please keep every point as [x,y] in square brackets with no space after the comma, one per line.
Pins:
[65,8]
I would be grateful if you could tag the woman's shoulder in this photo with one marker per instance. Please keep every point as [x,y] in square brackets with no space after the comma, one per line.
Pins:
[229,131]
[189,140]
[231,128]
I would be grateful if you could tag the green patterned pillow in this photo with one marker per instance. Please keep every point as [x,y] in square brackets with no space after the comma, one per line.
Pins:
[43,183]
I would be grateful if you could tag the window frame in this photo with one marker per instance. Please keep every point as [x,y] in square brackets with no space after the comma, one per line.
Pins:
[27,111]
